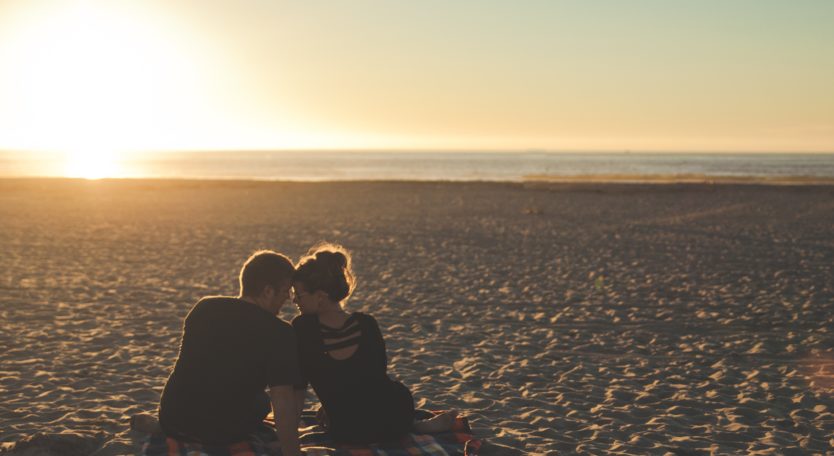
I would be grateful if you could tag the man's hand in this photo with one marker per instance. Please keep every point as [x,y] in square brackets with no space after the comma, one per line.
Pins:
[286,419]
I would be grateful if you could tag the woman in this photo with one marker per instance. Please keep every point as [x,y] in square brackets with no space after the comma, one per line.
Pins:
[342,356]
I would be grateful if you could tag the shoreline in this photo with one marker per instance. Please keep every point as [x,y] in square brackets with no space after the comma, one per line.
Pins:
[676,179]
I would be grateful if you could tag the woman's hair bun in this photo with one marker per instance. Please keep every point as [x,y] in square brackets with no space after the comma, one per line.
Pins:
[328,257]
[327,267]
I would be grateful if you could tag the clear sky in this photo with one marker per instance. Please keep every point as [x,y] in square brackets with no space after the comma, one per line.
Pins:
[101,77]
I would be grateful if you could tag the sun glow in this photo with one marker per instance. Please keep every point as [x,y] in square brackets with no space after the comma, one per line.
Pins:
[95,81]
[92,165]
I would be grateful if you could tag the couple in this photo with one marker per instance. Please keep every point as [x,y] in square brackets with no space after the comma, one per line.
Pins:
[237,360]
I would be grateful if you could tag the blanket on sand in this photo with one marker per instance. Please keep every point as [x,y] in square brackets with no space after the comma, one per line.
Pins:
[316,442]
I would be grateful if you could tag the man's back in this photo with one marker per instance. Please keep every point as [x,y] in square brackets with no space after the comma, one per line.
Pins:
[231,351]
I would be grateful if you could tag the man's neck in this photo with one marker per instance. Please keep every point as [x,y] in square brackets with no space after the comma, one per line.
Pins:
[252,300]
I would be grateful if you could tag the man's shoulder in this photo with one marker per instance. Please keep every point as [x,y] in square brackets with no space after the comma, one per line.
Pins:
[231,307]
[207,303]
[281,324]
[216,300]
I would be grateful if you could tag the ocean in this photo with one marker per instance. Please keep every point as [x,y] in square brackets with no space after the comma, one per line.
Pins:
[454,166]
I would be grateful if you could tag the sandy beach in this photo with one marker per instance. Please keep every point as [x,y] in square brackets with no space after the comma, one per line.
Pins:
[561,318]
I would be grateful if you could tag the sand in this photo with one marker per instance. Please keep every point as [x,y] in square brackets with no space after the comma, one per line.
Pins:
[562,318]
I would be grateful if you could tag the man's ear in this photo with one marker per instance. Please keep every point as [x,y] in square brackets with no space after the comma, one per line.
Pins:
[269,292]
[320,295]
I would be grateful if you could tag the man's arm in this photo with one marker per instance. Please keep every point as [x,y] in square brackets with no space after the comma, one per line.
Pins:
[286,418]
[300,395]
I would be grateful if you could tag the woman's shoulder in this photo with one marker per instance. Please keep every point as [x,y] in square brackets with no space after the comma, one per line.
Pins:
[305,323]
[363,317]
[367,322]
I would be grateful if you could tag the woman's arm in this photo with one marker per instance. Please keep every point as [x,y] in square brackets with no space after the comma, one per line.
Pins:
[378,343]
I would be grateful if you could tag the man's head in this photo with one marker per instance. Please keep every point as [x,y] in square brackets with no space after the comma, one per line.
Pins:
[265,279]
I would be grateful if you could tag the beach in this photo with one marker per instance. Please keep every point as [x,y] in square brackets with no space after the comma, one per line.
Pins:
[562,318]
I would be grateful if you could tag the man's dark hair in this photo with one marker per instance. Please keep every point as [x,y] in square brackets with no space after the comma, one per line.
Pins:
[263,268]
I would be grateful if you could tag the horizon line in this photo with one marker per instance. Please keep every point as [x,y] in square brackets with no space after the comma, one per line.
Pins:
[532,150]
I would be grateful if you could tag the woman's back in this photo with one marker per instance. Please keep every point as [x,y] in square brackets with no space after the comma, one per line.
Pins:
[346,366]
[341,333]
[335,359]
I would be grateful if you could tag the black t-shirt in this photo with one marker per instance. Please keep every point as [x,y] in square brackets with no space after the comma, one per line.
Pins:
[231,351]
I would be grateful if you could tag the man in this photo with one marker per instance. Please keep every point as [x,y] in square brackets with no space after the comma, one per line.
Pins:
[233,349]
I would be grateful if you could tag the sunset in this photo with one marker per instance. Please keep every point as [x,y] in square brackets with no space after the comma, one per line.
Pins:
[373,227]
[561,76]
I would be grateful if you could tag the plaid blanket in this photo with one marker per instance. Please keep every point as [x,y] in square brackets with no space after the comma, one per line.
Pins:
[316,442]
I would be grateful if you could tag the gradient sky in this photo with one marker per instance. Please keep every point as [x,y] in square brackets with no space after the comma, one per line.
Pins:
[664,75]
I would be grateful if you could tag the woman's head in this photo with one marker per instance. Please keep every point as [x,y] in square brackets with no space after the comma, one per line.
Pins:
[324,274]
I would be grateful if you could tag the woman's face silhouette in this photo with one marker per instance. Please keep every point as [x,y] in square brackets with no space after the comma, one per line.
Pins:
[307,303]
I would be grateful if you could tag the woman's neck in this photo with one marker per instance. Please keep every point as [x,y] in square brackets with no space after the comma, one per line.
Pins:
[333,314]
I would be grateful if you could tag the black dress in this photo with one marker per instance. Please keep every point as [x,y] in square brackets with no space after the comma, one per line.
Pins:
[362,403]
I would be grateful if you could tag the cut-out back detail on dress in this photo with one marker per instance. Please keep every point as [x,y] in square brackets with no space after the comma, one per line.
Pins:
[347,336]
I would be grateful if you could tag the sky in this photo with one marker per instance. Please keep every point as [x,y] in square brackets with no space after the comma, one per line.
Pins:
[109,77]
